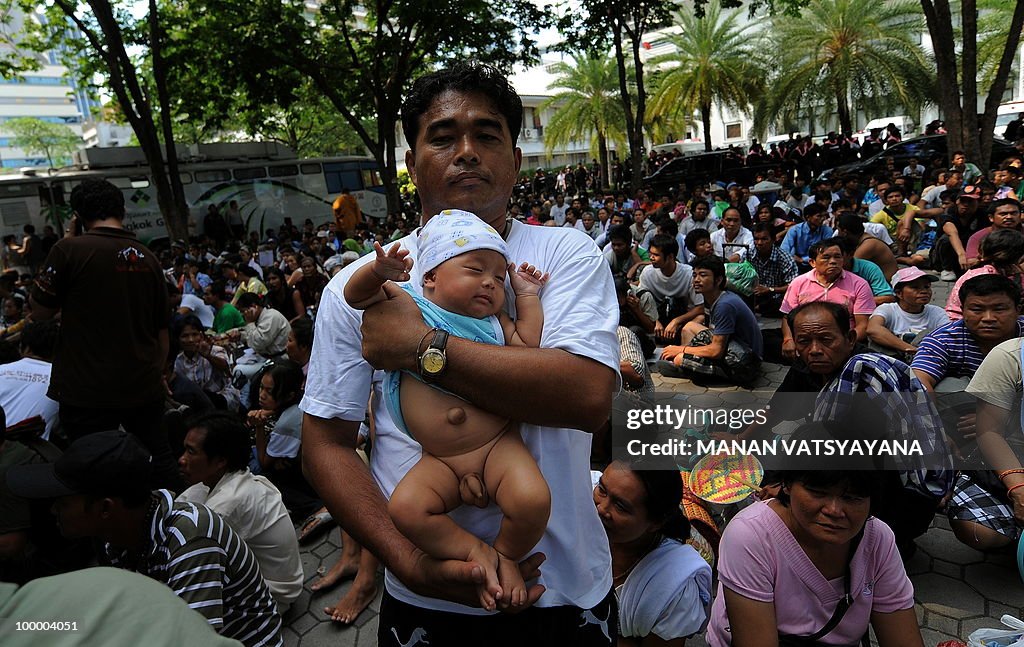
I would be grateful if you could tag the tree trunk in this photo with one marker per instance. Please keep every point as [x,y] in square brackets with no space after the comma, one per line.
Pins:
[969,77]
[843,112]
[635,163]
[987,122]
[174,207]
[636,134]
[602,151]
[705,121]
[938,18]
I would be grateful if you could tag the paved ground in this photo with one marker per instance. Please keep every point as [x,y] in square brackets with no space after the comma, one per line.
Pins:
[957,589]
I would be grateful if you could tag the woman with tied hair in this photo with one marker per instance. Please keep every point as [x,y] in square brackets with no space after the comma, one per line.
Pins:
[662,584]
[1001,253]
[283,297]
[813,567]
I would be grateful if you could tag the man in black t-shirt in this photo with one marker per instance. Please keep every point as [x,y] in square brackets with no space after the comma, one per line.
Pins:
[111,293]
[949,255]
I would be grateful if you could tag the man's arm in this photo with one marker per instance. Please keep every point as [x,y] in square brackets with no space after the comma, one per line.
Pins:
[676,324]
[860,323]
[954,240]
[525,384]
[927,379]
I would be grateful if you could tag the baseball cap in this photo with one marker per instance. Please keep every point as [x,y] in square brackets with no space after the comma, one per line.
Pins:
[908,274]
[970,191]
[107,463]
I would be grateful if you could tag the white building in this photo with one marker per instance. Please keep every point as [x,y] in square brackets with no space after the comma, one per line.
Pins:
[43,94]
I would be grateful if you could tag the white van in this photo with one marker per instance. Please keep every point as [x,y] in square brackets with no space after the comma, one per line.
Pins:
[904,123]
[1006,113]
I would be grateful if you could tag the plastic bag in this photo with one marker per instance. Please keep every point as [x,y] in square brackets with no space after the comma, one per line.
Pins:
[741,278]
[1014,637]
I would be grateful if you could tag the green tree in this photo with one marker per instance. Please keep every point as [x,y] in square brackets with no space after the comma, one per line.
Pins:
[360,57]
[844,54]
[620,25]
[714,62]
[588,107]
[38,137]
[128,52]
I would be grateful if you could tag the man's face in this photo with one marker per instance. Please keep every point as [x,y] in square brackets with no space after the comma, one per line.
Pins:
[700,211]
[577,205]
[195,465]
[76,517]
[991,319]
[1006,216]
[703,248]
[620,248]
[822,346]
[464,157]
[814,220]
[894,199]
[617,219]
[966,207]
[208,297]
[703,281]
[588,220]
[829,263]
[731,222]
[954,180]
[958,159]
[657,258]
[251,314]
[999,177]
[763,243]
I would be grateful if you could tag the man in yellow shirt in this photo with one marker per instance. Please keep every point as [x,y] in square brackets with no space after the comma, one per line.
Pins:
[346,212]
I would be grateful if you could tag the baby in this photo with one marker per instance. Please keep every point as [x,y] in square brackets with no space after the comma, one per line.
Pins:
[464,262]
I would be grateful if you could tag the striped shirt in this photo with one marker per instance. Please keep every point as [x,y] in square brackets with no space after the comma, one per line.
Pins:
[196,553]
[950,351]
[630,351]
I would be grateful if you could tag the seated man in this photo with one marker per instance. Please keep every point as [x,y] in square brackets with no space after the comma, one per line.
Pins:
[215,466]
[956,350]
[851,228]
[102,491]
[895,327]
[800,238]
[638,311]
[894,212]
[731,346]
[671,284]
[23,383]
[266,330]
[698,245]
[828,281]
[880,288]
[699,219]
[733,241]
[775,271]
[621,257]
[983,512]
[949,254]
[1004,214]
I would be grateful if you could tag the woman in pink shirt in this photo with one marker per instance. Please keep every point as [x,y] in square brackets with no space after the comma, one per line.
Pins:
[785,565]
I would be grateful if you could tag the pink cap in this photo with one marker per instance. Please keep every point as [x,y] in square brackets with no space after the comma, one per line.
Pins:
[908,274]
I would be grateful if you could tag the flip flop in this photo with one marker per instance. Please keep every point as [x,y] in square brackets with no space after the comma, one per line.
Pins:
[315,525]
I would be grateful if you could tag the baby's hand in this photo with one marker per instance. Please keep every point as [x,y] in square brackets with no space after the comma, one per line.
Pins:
[393,265]
[527,279]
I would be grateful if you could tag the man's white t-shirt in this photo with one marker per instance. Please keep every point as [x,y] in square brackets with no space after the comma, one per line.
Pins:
[199,308]
[678,284]
[580,317]
[558,213]
[741,245]
[900,322]
[23,386]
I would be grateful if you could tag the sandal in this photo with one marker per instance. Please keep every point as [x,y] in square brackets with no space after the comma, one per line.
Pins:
[315,525]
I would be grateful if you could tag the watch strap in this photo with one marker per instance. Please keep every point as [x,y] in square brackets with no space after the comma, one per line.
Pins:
[440,340]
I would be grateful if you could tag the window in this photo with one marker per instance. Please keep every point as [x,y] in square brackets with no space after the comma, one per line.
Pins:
[309,169]
[212,176]
[733,131]
[250,173]
[371,178]
[186,178]
[283,171]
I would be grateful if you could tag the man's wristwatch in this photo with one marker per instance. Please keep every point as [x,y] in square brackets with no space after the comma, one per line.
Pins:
[433,361]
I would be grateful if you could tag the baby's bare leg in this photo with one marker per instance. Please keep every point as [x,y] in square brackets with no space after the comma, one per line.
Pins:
[418,506]
[525,501]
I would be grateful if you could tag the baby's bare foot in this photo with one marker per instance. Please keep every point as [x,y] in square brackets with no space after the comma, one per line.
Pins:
[511,580]
[489,591]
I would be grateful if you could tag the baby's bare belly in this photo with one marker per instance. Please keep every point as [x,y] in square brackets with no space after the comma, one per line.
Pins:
[443,424]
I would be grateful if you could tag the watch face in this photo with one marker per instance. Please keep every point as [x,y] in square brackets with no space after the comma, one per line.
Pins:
[432,361]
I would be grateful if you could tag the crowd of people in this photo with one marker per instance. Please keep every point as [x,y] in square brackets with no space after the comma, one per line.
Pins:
[442,392]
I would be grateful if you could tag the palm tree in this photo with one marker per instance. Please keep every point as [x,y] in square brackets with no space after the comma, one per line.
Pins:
[588,107]
[714,63]
[839,55]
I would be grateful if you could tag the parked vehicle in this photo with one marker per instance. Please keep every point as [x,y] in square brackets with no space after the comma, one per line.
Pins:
[703,168]
[924,149]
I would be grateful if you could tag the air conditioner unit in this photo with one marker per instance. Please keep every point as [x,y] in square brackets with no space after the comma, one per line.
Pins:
[531,133]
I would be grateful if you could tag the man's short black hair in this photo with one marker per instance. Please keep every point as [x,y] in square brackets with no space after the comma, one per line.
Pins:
[666,245]
[764,228]
[987,285]
[219,289]
[840,314]
[40,338]
[465,77]
[226,437]
[620,233]
[821,246]
[1004,202]
[29,229]
[851,222]
[695,237]
[669,227]
[813,209]
[712,263]
[96,199]
[247,270]
[248,300]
